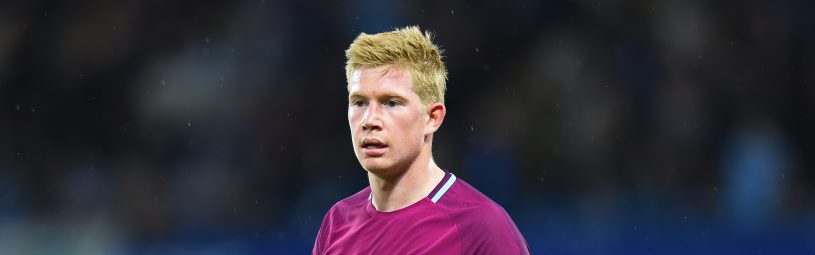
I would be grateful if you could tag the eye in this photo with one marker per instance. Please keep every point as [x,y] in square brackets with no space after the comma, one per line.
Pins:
[358,103]
[392,103]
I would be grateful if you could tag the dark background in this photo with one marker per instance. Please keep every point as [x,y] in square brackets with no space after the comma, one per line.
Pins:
[602,127]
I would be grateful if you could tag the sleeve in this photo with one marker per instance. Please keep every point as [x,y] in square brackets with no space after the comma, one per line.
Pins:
[322,241]
[495,233]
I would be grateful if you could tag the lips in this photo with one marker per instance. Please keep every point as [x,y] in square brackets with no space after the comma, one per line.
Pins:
[373,147]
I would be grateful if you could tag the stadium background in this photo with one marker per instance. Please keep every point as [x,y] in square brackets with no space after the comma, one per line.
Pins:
[644,127]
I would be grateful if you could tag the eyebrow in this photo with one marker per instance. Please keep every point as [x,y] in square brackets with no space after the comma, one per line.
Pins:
[385,95]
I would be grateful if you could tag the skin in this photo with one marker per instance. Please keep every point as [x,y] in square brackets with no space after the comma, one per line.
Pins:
[383,110]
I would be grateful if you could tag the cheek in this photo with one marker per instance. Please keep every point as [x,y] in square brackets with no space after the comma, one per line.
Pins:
[353,116]
[412,126]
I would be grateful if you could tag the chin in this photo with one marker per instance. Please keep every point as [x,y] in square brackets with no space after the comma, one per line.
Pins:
[378,166]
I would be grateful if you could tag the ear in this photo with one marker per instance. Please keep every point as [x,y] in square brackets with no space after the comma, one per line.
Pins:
[435,114]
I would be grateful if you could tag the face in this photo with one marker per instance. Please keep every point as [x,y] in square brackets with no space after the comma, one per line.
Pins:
[387,119]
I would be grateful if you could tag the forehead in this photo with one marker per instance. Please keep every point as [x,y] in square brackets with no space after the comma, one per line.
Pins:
[388,77]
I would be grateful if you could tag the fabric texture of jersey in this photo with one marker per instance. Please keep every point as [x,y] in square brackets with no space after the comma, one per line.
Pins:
[454,218]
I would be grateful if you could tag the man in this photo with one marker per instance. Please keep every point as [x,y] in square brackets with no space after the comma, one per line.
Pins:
[396,84]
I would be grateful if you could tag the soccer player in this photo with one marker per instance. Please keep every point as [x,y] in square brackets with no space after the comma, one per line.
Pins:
[396,84]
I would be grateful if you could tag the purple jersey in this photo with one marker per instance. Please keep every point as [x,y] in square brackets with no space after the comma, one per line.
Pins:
[454,219]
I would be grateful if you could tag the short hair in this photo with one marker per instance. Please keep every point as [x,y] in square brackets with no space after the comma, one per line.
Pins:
[406,47]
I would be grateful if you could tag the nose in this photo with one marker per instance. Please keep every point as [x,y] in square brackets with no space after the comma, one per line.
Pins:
[371,120]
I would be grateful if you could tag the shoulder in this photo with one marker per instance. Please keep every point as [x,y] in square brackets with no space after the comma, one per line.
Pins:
[485,227]
[461,195]
[338,216]
[468,205]
[351,203]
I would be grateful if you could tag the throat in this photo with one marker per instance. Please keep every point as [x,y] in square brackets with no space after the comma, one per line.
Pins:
[393,194]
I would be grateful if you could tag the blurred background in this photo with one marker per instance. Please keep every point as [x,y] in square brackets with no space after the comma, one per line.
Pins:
[205,127]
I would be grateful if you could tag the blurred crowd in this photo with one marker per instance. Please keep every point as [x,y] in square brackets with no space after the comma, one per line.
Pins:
[602,127]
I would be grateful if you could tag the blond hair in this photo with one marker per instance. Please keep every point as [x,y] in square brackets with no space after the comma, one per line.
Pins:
[406,47]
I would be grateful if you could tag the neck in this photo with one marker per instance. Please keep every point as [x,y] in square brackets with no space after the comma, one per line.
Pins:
[392,193]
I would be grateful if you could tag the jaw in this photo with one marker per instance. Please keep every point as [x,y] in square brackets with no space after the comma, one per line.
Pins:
[392,166]
[377,165]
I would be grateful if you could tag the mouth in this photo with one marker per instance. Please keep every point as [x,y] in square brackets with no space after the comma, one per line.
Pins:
[373,147]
